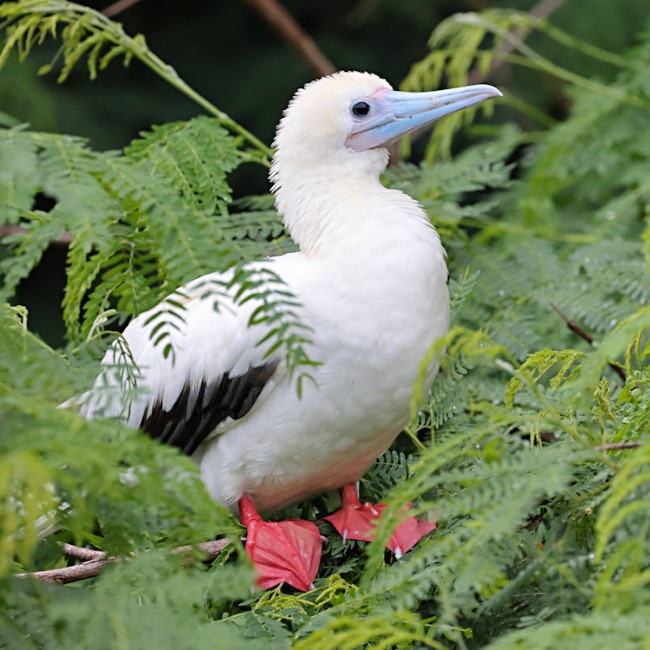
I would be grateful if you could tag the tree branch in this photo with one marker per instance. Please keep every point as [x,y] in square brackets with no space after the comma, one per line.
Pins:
[118,7]
[211,548]
[574,327]
[97,561]
[613,446]
[6,229]
[284,23]
[85,554]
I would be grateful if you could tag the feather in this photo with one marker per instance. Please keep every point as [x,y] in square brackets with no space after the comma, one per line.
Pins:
[200,408]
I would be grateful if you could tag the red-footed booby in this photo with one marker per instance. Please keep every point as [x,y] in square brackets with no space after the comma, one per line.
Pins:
[371,280]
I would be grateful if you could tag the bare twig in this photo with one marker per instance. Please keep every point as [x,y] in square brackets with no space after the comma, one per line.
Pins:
[93,567]
[361,12]
[574,327]
[545,8]
[535,521]
[6,229]
[73,573]
[118,7]
[284,23]
[613,446]
[85,554]
[211,549]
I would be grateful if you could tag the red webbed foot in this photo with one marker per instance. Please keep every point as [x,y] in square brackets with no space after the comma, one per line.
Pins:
[356,520]
[283,551]
[408,534]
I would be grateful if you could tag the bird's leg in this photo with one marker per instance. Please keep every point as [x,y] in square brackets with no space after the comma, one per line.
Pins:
[356,520]
[283,551]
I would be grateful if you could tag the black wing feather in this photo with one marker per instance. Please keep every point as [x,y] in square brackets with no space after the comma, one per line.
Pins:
[199,409]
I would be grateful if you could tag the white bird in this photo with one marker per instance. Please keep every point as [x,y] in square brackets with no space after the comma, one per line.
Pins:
[371,280]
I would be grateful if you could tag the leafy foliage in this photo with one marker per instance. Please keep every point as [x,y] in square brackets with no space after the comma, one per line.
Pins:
[535,448]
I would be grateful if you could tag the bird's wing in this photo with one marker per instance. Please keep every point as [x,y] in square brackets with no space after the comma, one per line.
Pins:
[202,408]
[214,373]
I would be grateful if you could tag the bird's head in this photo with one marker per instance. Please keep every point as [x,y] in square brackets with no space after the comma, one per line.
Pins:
[351,115]
[337,129]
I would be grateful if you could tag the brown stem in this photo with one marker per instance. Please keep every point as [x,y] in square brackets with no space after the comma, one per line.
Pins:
[284,23]
[99,561]
[73,573]
[361,12]
[118,7]
[6,229]
[85,554]
[211,548]
[613,446]
[574,327]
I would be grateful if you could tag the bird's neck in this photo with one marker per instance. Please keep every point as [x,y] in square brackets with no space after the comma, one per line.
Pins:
[321,214]
[324,211]
[321,200]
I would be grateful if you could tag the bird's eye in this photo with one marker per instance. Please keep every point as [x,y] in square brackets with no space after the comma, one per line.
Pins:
[361,109]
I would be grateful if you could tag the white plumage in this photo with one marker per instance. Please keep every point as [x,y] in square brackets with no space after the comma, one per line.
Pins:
[371,280]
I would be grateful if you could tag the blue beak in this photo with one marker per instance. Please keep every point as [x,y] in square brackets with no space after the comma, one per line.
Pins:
[393,113]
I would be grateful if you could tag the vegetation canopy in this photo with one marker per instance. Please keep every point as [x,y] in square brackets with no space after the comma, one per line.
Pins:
[532,450]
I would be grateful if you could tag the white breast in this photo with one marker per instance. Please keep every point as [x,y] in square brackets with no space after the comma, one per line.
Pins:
[375,305]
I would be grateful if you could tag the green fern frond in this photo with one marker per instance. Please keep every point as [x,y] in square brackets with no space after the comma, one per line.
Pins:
[390,469]
[28,249]
[193,157]
[87,34]
[538,364]
[626,509]
[614,628]
[18,158]
[277,308]
[473,41]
